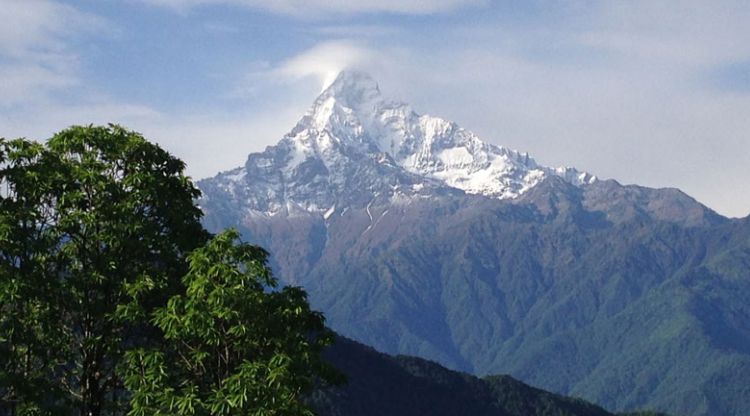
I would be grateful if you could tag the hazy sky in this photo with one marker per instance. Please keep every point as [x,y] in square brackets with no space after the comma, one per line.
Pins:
[649,92]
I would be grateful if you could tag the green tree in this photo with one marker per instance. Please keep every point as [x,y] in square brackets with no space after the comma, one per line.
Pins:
[95,225]
[29,336]
[234,343]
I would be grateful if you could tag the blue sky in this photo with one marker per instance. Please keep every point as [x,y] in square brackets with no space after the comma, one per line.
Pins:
[649,92]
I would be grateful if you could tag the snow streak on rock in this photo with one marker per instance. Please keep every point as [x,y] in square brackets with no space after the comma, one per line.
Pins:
[354,145]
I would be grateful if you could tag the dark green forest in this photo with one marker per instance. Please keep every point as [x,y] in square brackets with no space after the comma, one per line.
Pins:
[381,384]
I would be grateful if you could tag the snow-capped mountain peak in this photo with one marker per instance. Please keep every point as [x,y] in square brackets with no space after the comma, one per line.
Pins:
[354,141]
[352,89]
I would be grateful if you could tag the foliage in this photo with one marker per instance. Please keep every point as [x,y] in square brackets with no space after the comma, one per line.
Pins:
[233,344]
[29,337]
[95,222]
[96,281]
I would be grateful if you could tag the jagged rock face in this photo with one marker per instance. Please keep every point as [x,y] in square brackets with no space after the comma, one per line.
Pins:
[353,145]
[413,236]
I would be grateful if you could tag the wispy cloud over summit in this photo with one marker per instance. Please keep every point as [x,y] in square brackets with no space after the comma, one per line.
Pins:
[327,59]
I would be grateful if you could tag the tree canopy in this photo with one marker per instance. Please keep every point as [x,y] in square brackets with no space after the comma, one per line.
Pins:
[97,227]
[233,347]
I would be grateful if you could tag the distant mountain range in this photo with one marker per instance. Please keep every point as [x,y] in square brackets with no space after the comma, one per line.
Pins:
[415,237]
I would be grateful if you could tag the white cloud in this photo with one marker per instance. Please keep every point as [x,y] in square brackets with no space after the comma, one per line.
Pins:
[42,90]
[209,142]
[35,28]
[326,60]
[34,46]
[359,31]
[40,31]
[321,8]
[26,82]
[320,63]
[49,116]
[696,33]
[214,142]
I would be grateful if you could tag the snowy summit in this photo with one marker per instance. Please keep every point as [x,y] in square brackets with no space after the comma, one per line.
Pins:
[355,144]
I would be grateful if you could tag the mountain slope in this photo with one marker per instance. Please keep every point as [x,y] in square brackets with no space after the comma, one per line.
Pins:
[627,296]
[379,384]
